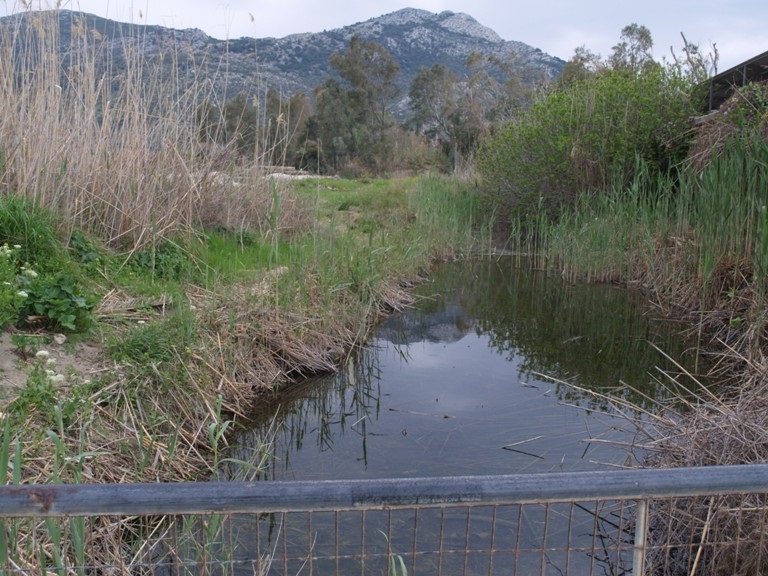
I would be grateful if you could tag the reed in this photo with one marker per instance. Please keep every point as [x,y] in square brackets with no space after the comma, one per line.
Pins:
[698,244]
[116,152]
[697,241]
[214,281]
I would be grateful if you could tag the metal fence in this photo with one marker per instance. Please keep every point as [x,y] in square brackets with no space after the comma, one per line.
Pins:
[672,521]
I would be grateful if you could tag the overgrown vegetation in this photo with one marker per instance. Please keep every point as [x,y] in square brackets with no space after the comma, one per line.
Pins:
[137,213]
[589,135]
[194,279]
[606,179]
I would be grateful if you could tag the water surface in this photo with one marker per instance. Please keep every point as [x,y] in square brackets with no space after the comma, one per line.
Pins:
[488,374]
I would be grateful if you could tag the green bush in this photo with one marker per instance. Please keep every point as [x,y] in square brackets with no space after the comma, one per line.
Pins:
[39,283]
[166,260]
[586,136]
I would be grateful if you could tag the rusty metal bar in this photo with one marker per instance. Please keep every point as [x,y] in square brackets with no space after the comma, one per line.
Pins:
[222,497]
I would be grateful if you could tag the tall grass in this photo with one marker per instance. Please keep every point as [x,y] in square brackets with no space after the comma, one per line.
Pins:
[698,241]
[113,150]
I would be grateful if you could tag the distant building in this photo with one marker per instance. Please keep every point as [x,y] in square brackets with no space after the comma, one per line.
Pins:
[722,85]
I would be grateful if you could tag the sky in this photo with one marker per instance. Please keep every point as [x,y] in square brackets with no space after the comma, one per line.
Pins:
[738,28]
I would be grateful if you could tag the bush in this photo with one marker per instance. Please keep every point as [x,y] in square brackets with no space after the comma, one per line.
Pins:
[37,284]
[586,136]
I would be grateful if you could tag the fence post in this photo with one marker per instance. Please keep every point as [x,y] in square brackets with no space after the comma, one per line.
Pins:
[641,533]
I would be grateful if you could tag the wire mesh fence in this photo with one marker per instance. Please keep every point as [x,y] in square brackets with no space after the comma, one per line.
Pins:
[684,521]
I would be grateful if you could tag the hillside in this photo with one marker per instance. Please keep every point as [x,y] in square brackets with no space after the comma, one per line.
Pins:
[295,63]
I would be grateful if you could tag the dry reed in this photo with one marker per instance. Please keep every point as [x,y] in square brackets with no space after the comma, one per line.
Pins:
[116,149]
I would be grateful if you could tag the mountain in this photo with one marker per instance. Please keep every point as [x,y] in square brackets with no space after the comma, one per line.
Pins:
[295,63]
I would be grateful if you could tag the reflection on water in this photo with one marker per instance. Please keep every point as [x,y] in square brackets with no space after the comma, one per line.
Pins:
[472,381]
[487,375]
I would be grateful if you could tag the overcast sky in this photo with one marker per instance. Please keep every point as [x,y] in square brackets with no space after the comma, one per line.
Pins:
[738,27]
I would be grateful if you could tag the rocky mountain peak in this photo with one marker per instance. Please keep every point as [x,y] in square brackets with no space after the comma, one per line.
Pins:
[300,62]
[457,23]
[465,24]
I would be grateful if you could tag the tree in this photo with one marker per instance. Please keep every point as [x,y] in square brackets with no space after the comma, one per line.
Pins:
[433,101]
[371,73]
[332,129]
[582,65]
[696,65]
[241,119]
[634,51]
[514,88]
[364,133]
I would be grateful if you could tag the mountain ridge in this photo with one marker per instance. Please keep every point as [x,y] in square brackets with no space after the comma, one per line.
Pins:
[300,62]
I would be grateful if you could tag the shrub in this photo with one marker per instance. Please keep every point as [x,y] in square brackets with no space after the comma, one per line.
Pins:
[586,136]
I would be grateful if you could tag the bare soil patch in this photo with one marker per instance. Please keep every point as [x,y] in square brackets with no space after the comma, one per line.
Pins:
[81,359]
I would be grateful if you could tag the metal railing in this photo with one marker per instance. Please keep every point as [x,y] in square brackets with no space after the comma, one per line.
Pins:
[670,521]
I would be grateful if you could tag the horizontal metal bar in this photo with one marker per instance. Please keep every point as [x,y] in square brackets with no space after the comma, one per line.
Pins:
[265,496]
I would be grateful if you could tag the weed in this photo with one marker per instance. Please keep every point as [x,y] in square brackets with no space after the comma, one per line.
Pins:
[84,248]
[58,300]
[40,392]
[29,295]
[167,260]
[30,230]
[154,342]
[216,432]
[395,564]
[28,344]
[12,296]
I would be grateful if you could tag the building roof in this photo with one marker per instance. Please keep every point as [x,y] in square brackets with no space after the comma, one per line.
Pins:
[722,85]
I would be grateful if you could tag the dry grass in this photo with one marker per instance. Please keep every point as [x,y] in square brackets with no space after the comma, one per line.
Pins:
[117,154]
[727,532]
[747,106]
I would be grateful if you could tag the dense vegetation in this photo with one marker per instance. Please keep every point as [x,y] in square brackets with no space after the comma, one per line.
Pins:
[155,280]
[606,179]
[137,213]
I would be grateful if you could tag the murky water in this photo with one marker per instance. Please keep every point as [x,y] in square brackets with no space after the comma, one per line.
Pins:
[490,373]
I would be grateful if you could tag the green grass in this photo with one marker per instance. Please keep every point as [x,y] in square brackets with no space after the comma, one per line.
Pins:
[200,323]
[699,240]
[24,223]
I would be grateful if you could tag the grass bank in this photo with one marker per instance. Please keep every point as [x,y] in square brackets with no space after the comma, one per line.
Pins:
[133,365]
[697,243]
[200,278]
[185,336]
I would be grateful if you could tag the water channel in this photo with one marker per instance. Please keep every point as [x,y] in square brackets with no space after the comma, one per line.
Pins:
[491,372]
[485,375]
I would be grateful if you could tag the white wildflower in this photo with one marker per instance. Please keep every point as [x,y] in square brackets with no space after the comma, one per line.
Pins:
[43,354]
[22,294]
[29,273]
[56,378]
